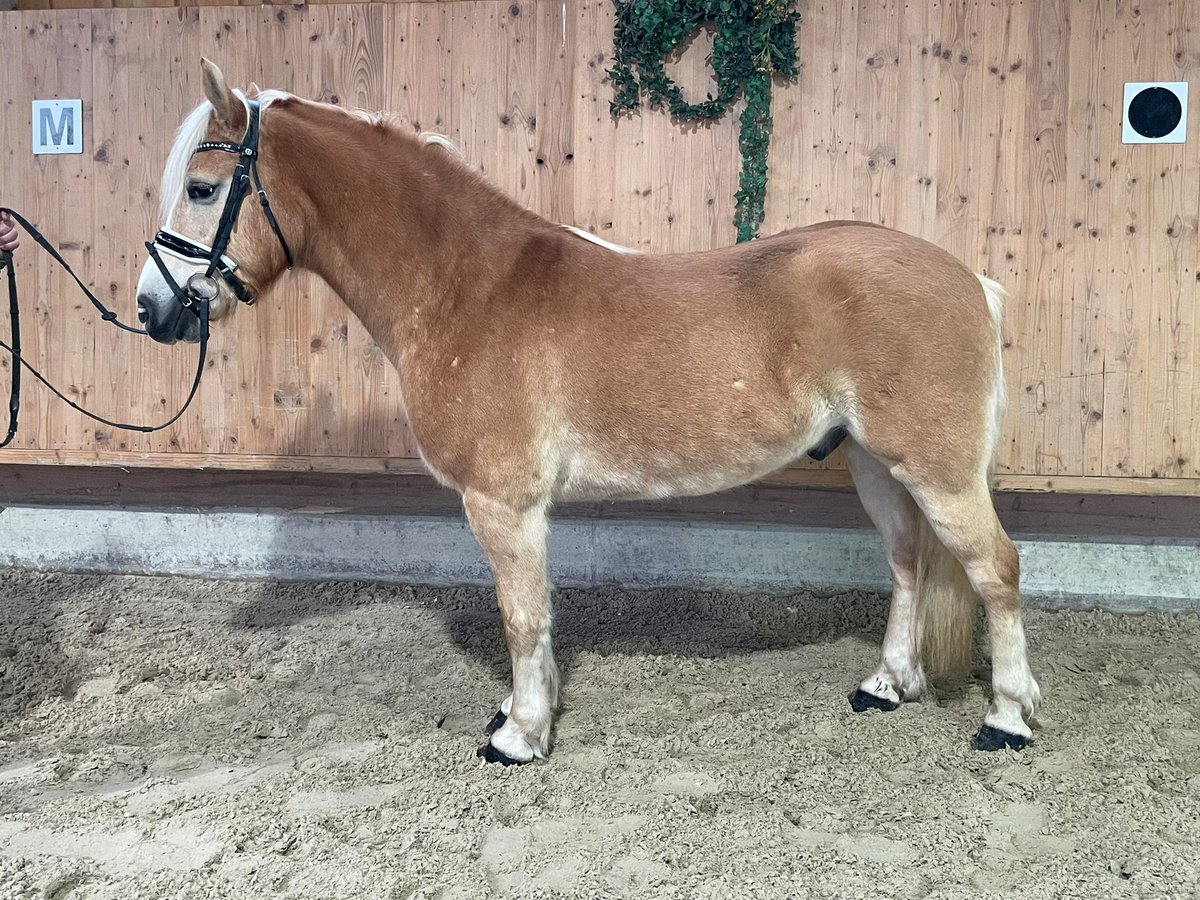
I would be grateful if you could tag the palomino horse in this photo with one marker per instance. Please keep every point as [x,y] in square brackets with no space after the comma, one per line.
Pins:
[538,366]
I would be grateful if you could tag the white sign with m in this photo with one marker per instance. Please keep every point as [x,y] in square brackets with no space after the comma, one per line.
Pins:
[57,126]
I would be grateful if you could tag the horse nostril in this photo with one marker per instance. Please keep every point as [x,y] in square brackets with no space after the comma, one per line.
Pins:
[142,314]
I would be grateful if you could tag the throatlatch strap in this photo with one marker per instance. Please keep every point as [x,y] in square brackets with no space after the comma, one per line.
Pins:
[270,214]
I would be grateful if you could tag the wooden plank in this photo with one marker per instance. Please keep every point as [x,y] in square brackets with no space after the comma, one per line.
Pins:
[39,45]
[1155,487]
[1075,516]
[1000,201]
[594,198]
[1182,487]
[792,157]
[1183,47]
[1176,199]
[493,58]
[835,100]
[244,461]
[273,339]
[957,78]
[117,198]
[876,88]
[917,107]
[1037,439]
[142,4]
[1130,183]
[281,376]
[556,47]
[1159,487]
[1085,274]
[58,61]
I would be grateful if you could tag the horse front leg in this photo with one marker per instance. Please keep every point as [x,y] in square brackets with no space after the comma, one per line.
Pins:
[513,536]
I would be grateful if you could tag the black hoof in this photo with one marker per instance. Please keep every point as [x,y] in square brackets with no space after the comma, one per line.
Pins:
[488,753]
[861,701]
[990,739]
[496,724]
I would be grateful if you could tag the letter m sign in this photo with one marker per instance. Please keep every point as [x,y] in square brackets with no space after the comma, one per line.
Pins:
[57,126]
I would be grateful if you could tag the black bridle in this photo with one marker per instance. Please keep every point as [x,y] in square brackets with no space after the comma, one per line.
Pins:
[202,289]
[194,298]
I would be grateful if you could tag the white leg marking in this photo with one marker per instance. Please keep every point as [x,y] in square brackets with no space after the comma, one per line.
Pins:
[514,540]
[900,676]
[1015,694]
[530,711]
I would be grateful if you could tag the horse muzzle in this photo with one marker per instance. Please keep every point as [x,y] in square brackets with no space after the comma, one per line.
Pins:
[166,321]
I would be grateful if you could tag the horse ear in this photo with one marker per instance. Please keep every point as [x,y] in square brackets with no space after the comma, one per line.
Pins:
[227,108]
[252,91]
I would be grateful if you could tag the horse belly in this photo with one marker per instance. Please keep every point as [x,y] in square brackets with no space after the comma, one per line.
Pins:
[691,464]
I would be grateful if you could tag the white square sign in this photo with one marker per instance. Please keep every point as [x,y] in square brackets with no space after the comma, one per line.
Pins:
[57,126]
[1155,112]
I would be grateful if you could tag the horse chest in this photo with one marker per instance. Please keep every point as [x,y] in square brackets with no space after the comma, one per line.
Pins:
[468,425]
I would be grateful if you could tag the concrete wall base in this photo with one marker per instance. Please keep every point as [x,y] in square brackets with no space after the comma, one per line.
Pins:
[1114,575]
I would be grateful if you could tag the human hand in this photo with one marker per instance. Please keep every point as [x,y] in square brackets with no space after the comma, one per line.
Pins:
[9,239]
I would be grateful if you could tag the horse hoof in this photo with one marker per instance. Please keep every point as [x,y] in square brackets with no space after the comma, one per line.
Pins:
[496,724]
[488,753]
[990,739]
[861,701]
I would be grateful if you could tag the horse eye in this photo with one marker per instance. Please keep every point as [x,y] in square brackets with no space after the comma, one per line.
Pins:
[198,190]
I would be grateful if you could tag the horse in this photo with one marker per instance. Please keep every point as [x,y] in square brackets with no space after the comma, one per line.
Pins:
[539,363]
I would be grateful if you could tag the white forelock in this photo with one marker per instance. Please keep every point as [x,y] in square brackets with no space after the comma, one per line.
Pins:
[191,133]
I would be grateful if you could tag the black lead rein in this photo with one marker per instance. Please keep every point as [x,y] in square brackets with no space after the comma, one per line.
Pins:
[195,297]
[14,350]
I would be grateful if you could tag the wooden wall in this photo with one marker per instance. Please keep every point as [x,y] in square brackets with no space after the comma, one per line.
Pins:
[991,128]
[146,4]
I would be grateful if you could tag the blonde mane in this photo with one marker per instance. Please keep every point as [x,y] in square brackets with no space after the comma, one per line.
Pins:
[433,138]
[195,126]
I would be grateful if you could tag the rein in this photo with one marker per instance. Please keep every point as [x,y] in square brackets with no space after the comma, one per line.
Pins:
[14,350]
[195,298]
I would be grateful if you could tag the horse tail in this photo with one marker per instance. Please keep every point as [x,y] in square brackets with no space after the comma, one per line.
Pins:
[946,601]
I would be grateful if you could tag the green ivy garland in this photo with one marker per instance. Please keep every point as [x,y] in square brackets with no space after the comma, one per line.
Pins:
[755,39]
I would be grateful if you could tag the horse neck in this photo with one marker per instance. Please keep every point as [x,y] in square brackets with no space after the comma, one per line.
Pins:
[396,227]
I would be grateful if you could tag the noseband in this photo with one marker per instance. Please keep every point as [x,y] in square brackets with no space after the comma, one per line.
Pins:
[200,290]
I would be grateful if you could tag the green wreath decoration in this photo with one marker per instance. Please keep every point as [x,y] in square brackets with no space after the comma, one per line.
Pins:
[755,40]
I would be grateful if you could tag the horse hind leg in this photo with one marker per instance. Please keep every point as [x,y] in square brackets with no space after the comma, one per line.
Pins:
[966,523]
[891,508]
[513,537]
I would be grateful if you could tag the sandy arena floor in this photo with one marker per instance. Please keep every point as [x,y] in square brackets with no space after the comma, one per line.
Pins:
[167,738]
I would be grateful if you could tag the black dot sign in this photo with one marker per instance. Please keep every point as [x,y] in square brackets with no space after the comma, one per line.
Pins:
[1155,112]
